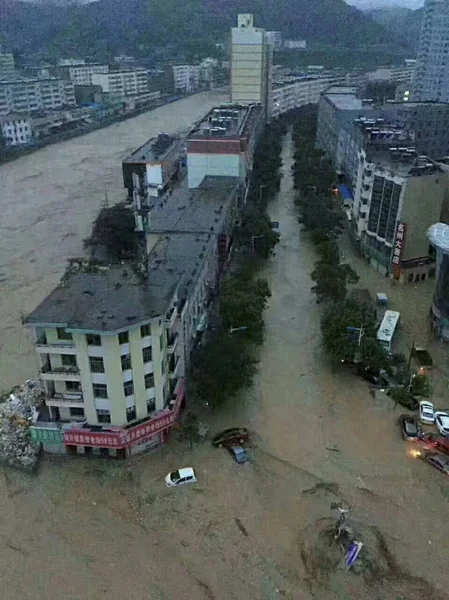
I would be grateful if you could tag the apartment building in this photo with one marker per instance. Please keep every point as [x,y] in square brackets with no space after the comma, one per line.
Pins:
[291,92]
[28,95]
[155,164]
[223,143]
[7,67]
[122,83]
[438,235]
[80,73]
[16,129]
[399,194]
[275,38]
[401,74]
[114,340]
[432,68]
[186,78]
[251,60]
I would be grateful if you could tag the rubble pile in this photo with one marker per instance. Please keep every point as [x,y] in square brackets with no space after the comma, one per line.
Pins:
[17,448]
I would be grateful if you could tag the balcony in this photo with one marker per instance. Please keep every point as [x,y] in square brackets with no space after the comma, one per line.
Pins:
[172,342]
[67,399]
[49,373]
[170,318]
[65,347]
[173,366]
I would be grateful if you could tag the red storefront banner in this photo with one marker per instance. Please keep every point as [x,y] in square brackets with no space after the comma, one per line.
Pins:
[398,249]
[122,438]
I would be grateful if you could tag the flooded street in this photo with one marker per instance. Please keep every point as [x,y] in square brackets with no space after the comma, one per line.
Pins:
[94,529]
[48,201]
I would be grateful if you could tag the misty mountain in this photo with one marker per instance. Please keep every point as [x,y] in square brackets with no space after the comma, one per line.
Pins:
[403,23]
[375,4]
[107,27]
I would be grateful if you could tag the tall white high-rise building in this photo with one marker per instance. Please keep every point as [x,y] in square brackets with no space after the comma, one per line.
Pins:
[251,59]
[432,70]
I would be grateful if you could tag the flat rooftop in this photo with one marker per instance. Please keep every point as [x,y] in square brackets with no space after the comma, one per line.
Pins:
[403,161]
[226,121]
[344,97]
[154,149]
[109,298]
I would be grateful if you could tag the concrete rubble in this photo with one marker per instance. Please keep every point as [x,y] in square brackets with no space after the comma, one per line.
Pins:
[17,448]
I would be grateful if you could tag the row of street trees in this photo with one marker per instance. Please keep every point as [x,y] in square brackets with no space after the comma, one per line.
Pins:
[348,327]
[226,363]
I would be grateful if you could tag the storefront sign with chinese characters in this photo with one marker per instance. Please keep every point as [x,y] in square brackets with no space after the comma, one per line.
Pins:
[398,249]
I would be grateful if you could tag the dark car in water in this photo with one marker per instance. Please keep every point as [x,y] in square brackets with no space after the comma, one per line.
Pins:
[231,437]
[410,429]
[437,460]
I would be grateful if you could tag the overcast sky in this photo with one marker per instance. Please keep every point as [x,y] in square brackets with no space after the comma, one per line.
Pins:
[365,4]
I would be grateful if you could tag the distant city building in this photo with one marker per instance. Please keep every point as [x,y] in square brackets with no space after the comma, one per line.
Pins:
[275,38]
[155,164]
[291,92]
[122,83]
[439,238]
[251,60]
[392,74]
[432,67]
[79,73]
[399,194]
[186,78]
[28,95]
[295,44]
[7,68]
[69,62]
[223,143]
[16,129]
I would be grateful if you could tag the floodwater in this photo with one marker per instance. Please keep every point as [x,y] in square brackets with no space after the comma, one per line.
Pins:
[93,529]
[48,201]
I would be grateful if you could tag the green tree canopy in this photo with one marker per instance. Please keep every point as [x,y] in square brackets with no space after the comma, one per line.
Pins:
[114,228]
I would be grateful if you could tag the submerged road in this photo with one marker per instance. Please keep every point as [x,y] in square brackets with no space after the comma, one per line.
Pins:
[48,201]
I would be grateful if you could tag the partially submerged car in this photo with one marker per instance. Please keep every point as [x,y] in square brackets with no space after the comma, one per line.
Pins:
[231,437]
[410,430]
[239,453]
[180,477]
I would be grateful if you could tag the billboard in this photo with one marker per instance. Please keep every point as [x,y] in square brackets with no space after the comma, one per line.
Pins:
[398,249]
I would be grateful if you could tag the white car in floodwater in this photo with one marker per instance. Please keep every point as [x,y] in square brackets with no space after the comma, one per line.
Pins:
[426,412]
[180,477]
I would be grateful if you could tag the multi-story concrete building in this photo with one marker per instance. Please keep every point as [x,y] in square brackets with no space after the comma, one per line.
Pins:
[155,163]
[338,106]
[291,92]
[399,194]
[439,238]
[7,68]
[114,340]
[122,83]
[275,38]
[251,60]
[16,129]
[186,78]
[295,44]
[403,74]
[223,143]
[80,73]
[28,95]
[432,69]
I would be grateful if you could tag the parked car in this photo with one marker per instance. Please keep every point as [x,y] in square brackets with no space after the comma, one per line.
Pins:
[437,460]
[180,477]
[442,422]
[239,453]
[374,376]
[231,437]
[426,412]
[410,430]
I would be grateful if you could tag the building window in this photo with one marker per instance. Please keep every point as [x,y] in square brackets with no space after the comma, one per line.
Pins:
[126,361]
[77,412]
[123,338]
[131,413]
[96,364]
[103,416]
[163,367]
[147,354]
[100,390]
[410,277]
[63,334]
[161,341]
[68,360]
[145,330]
[151,405]
[73,386]
[149,380]
[93,340]
[128,388]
